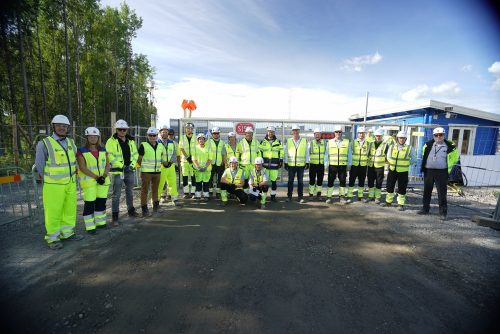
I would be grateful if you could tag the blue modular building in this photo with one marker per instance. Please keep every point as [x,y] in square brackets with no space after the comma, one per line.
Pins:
[475,132]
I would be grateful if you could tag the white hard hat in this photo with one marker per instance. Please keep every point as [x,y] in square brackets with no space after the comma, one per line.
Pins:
[438,130]
[271,128]
[121,124]
[164,127]
[231,134]
[215,129]
[233,159]
[369,130]
[401,134]
[361,129]
[379,132]
[200,135]
[295,127]
[259,161]
[337,128]
[91,131]
[189,125]
[249,129]
[60,119]
[152,131]
[317,130]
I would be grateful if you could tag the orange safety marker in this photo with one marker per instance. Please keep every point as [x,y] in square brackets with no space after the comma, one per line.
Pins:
[10,179]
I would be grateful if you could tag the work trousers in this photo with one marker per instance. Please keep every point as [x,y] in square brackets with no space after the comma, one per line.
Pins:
[59,204]
[375,177]
[129,181]
[153,180]
[316,176]
[357,172]
[94,213]
[402,179]
[440,178]
[216,174]
[299,170]
[188,172]
[333,172]
[273,176]
[262,194]
[239,193]
[168,177]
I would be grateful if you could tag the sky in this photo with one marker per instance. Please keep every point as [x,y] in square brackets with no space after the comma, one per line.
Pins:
[317,59]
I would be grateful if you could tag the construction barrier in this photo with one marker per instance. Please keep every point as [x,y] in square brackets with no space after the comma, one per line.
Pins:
[16,196]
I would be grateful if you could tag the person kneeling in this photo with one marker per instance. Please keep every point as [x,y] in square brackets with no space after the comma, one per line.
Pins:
[232,182]
[258,183]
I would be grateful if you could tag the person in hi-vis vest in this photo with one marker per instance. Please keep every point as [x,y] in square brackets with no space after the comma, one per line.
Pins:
[168,173]
[400,157]
[187,144]
[55,162]
[258,183]
[218,149]
[152,156]
[376,166]
[296,161]
[317,162]
[360,149]
[338,152]
[232,182]
[272,153]
[246,152]
[93,165]
[202,163]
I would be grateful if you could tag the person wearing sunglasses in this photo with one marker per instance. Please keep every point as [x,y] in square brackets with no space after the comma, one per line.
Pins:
[122,154]
[439,157]
[337,155]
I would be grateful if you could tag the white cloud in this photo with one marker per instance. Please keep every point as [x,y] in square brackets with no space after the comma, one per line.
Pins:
[357,63]
[466,68]
[495,70]
[222,100]
[446,89]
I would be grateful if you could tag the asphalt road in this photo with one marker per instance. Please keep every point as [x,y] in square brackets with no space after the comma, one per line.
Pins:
[290,269]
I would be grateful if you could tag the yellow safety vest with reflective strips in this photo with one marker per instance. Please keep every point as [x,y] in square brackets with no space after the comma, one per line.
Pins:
[216,150]
[296,155]
[317,152]
[115,154]
[229,151]
[188,146]
[258,178]
[338,156]
[399,160]
[95,165]
[377,155]
[272,153]
[360,153]
[236,180]
[247,152]
[153,157]
[60,167]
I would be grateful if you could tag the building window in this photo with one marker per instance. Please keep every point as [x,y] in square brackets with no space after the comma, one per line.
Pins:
[463,137]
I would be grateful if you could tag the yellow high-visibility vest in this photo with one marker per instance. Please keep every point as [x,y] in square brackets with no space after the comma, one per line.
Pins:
[60,166]
[338,156]
[296,155]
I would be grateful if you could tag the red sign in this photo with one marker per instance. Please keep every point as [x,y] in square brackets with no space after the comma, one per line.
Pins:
[239,128]
[327,135]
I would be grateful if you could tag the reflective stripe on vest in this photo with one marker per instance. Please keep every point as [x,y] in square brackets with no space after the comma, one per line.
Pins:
[296,155]
[153,157]
[317,152]
[216,150]
[378,155]
[95,165]
[188,146]
[115,154]
[229,151]
[360,153]
[336,156]
[60,166]
[201,155]
[258,178]
[271,153]
[236,180]
[400,160]
[248,151]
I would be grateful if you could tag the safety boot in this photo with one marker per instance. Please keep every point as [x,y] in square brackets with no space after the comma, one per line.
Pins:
[145,211]
[132,213]
[156,206]
[273,198]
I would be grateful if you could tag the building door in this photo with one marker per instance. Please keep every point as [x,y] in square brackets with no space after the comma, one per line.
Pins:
[464,139]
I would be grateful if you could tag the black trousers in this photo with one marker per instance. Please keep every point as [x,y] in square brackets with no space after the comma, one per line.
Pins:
[316,174]
[375,177]
[440,178]
[216,173]
[357,172]
[333,171]
[292,170]
[98,205]
[239,193]
[202,186]
[401,178]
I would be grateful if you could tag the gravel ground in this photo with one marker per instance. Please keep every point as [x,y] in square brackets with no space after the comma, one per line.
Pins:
[292,268]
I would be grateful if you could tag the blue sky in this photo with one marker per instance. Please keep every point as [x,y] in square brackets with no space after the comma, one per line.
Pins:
[282,59]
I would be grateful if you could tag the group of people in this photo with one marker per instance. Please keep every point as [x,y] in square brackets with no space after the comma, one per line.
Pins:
[247,169]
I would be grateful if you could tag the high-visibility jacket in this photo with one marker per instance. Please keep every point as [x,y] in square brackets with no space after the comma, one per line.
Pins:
[296,155]
[377,155]
[338,156]
[317,152]
[60,166]
[202,155]
[216,150]
[258,178]
[399,160]
[95,165]
[360,153]
[170,147]
[153,157]
[272,153]
[115,154]
[188,146]
[247,152]
[452,154]
[229,151]
[236,180]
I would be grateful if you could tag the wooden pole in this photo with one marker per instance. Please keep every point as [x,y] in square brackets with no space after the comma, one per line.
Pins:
[15,147]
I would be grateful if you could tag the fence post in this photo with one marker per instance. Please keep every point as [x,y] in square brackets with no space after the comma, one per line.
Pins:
[15,144]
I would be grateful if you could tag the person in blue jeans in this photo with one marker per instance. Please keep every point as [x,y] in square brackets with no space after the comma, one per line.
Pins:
[296,161]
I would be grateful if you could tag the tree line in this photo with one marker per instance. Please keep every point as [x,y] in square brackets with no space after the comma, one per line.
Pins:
[71,57]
